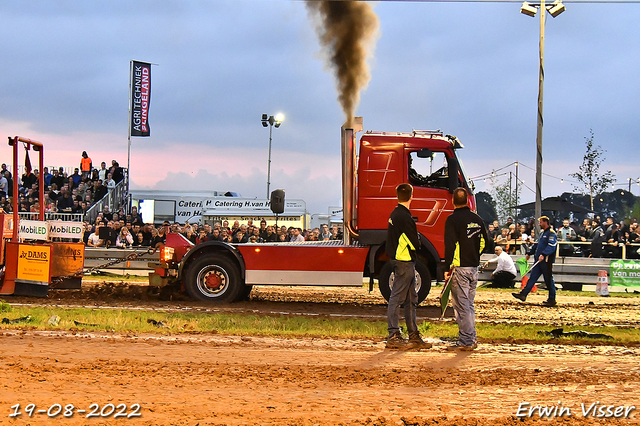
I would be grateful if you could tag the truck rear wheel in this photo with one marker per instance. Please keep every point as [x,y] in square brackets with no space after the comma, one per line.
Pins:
[213,278]
[423,281]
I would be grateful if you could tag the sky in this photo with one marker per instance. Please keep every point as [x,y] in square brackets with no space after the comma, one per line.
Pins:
[468,69]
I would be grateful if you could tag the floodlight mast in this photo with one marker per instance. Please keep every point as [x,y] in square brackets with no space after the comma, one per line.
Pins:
[270,121]
[530,9]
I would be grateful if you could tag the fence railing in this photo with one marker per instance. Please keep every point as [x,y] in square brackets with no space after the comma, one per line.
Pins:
[114,199]
[628,250]
[65,217]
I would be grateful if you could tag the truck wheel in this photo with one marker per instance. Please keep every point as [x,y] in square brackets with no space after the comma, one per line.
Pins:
[213,278]
[423,281]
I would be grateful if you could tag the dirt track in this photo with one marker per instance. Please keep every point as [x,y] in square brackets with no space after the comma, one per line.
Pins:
[215,379]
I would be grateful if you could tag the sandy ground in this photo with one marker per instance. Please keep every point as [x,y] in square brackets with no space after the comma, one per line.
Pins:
[236,380]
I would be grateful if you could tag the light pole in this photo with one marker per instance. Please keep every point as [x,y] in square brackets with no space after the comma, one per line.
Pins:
[555,9]
[270,121]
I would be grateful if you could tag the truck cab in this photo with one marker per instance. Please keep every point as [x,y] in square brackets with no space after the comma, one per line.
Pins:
[428,161]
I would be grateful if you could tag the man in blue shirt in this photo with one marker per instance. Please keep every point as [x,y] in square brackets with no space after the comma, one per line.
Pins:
[545,255]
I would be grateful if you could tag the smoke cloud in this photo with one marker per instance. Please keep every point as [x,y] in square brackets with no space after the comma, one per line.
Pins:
[347,31]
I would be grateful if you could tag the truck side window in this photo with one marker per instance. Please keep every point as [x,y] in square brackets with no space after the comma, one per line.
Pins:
[429,172]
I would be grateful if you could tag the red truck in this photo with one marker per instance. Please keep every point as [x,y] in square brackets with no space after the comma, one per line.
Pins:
[217,271]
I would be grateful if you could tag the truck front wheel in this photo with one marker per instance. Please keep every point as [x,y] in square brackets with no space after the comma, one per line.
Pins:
[213,278]
[423,281]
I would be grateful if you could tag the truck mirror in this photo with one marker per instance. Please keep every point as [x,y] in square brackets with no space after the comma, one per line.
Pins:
[453,173]
[425,153]
[277,201]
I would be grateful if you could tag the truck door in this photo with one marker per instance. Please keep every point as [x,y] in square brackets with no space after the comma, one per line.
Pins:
[428,172]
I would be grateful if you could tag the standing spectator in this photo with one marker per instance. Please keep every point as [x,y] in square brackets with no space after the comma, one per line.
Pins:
[76,177]
[402,243]
[272,237]
[545,255]
[7,176]
[102,173]
[464,239]
[116,171]
[3,186]
[325,235]
[46,177]
[85,164]
[297,236]
[57,178]
[566,233]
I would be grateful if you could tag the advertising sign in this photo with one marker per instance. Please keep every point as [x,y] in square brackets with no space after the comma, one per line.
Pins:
[624,273]
[59,229]
[33,230]
[140,98]
[33,263]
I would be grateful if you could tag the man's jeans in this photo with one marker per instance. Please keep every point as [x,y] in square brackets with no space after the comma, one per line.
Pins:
[403,294]
[545,269]
[463,293]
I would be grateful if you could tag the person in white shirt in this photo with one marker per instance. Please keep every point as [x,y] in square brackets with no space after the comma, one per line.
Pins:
[505,272]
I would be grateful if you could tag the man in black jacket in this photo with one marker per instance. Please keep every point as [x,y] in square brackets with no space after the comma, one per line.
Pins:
[464,240]
[401,246]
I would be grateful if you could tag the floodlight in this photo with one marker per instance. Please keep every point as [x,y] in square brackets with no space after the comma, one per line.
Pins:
[528,9]
[556,8]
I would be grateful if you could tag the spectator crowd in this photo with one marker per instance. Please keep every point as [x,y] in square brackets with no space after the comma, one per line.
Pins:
[592,238]
[123,230]
[63,192]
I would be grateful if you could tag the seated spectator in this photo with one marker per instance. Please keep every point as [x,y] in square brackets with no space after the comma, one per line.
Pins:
[65,202]
[124,239]
[94,238]
[505,273]
[503,238]
[99,191]
[139,240]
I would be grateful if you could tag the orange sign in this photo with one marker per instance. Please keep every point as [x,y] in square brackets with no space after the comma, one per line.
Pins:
[34,263]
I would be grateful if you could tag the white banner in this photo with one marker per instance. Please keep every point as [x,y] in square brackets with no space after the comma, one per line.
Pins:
[33,230]
[59,229]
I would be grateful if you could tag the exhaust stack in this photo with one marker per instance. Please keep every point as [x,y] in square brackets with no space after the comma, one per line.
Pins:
[348,144]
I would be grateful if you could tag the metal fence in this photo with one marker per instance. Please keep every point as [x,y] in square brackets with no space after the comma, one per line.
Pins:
[66,217]
[114,199]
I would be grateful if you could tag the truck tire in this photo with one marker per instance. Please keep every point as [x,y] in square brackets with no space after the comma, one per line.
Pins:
[213,278]
[423,281]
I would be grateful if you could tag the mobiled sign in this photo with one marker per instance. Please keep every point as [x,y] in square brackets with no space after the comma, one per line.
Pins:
[38,230]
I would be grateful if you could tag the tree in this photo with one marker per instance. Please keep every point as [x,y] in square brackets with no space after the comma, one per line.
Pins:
[504,199]
[486,207]
[589,175]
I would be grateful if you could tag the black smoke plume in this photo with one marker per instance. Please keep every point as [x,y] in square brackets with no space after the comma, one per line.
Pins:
[347,31]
